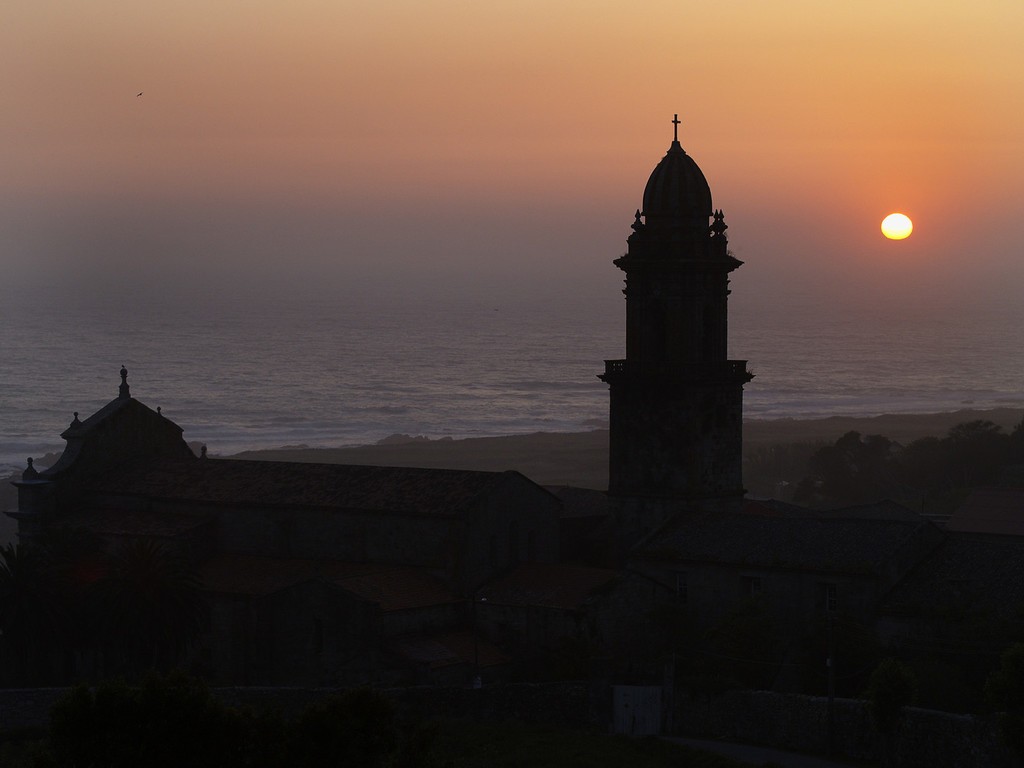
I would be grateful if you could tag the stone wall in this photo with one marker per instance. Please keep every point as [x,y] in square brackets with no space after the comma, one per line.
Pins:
[27,707]
[926,739]
[573,705]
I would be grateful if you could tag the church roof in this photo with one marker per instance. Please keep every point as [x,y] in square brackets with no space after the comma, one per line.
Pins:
[549,584]
[403,490]
[123,429]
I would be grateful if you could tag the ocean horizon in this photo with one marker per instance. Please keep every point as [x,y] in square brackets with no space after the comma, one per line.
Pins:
[244,372]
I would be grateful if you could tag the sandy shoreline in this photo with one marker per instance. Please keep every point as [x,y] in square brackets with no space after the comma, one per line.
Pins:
[581,458]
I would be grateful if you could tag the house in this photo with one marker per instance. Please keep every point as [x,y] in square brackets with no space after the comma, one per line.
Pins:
[802,562]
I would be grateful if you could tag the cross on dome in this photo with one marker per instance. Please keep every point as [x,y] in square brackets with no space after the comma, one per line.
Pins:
[675,127]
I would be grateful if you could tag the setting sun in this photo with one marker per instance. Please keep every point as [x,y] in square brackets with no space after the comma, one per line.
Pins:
[897,226]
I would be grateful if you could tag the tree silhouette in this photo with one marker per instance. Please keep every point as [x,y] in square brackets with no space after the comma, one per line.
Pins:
[75,562]
[855,469]
[978,450]
[358,727]
[149,610]
[30,614]
[1004,690]
[891,688]
[939,471]
[165,722]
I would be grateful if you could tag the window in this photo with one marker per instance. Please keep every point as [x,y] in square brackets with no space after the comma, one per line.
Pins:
[751,586]
[318,636]
[682,589]
[829,597]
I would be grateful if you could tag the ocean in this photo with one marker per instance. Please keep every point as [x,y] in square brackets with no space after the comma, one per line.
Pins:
[239,372]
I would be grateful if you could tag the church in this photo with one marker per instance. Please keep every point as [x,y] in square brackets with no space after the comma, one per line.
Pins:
[321,574]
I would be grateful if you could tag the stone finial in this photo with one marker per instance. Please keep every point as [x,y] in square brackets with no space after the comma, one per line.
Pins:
[158,411]
[719,226]
[123,391]
[637,224]
[30,472]
[202,452]
[75,422]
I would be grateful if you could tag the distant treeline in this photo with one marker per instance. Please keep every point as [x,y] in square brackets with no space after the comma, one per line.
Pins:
[933,474]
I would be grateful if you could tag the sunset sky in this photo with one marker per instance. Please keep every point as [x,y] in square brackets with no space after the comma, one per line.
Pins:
[486,145]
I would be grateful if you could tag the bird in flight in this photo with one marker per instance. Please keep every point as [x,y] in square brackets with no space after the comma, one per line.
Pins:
[138,94]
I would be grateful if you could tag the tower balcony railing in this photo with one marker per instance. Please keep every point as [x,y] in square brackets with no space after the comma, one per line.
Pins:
[718,370]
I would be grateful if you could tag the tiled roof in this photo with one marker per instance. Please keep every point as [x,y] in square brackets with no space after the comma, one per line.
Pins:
[991,510]
[449,649]
[815,541]
[550,585]
[878,510]
[772,508]
[983,572]
[580,502]
[256,575]
[273,483]
[393,588]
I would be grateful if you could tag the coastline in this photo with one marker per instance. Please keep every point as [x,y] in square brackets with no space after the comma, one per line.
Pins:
[581,458]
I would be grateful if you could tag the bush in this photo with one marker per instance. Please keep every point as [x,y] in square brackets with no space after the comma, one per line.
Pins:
[168,722]
[1004,691]
[892,686]
[175,721]
[358,727]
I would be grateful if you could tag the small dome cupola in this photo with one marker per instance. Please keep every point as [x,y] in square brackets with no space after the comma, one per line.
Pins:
[677,194]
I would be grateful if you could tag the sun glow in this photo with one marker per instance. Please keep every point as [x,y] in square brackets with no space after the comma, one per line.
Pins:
[897,226]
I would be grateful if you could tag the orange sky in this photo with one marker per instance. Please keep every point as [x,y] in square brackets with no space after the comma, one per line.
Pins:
[492,139]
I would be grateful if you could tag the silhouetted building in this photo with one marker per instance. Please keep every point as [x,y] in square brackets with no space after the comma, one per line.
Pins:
[329,574]
[677,400]
[315,573]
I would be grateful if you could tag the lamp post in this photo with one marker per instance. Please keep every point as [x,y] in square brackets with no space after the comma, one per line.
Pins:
[477,679]
[831,663]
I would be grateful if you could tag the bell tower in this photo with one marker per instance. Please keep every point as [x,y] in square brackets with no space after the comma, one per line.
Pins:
[677,400]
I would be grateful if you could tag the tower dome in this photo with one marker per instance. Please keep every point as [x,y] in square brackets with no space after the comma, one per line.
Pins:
[677,192]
